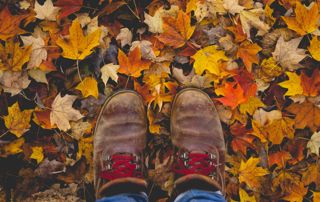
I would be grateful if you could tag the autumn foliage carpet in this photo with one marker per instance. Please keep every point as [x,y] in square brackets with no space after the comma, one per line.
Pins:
[258,60]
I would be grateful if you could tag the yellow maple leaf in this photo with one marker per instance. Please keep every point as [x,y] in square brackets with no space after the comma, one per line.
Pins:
[306,19]
[278,129]
[250,173]
[293,84]
[12,148]
[314,48]
[18,122]
[269,69]
[37,154]
[79,46]
[210,59]
[316,196]
[244,197]
[88,86]
[251,105]
[13,57]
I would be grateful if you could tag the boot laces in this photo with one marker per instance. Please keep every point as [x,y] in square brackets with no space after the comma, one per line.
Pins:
[121,166]
[195,163]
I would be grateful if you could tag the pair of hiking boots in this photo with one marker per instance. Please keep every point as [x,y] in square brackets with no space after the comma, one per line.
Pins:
[120,138]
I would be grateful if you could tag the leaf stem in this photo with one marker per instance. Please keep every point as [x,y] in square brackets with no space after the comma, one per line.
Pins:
[78,69]
[127,82]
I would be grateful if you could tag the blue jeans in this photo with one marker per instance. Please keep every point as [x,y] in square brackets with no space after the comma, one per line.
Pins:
[193,195]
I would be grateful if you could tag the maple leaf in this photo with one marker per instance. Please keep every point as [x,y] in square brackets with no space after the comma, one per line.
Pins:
[132,65]
[68,7]
[247,82]
[79,46]
[306,19]
[278,129]
[251,18]
[296,192]
[125,37]
[287,54]
[88,86]
[244,197]
[248,52]
[250,173]
[109,71]
[37,154]
[14,147]
[13,57]
[233,95]
[46,11]
[9,24]
[232,6]
[314,48]
[209,58]
[39,52]
[14,82]
[252,104]
[241,138]
[307,115]
[314,143]
[17,122]
[316,196]
[176,32]
[293,84]
[269,69]
[62,112]
[311,84]
[279,158]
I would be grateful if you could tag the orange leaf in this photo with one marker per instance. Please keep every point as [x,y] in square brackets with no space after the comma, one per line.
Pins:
[233,95]
[68,7]
[241,138]
[279,158]
[311,85]
[9,24]
[248,52]
[176,32]
[132,65]
[307,115]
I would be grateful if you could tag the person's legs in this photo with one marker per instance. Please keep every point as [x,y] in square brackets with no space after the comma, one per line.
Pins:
[200,149]
[119,141]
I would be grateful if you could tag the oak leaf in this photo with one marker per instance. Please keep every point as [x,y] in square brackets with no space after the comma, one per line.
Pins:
[314,143]
[293,84]
[306,19]
[176,32]
[210,59]
[314,48]
[79,46]
[132,65]
[233,95]
[248,53]
[311,85]
[12,56]
[17,122]
[250,173]
[62,112]
[307,115]
[88,86]
[68,7]
[9,24]
[287,54]
[46,11]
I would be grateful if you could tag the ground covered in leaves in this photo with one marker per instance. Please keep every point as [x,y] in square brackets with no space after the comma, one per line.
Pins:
[258,61]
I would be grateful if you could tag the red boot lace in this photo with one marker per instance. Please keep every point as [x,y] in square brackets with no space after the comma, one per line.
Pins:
[122,165]
[195,163]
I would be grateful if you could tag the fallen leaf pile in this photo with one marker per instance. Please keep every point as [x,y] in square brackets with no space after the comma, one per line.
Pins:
[259,61]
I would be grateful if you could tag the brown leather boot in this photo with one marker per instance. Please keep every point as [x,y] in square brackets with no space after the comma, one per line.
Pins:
[119,141]
[198,137]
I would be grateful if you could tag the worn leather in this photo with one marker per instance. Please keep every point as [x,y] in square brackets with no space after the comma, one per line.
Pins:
[196,127]
[121,128]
